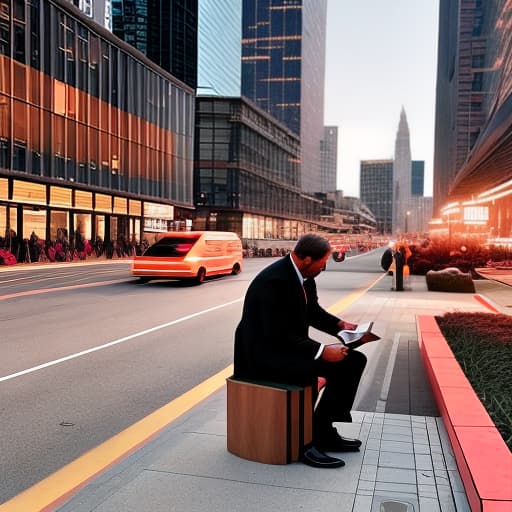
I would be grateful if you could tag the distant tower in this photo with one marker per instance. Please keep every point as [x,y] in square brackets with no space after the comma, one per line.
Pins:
[376,191]
[329,159]
[402,176]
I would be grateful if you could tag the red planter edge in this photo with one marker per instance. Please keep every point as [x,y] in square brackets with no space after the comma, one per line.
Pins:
[483,459]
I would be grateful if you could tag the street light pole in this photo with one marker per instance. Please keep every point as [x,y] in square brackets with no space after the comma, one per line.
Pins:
[407,221]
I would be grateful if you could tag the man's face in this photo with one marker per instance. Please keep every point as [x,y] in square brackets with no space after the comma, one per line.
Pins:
[312,268]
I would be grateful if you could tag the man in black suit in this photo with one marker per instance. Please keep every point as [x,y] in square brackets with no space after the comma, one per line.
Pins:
[272,343]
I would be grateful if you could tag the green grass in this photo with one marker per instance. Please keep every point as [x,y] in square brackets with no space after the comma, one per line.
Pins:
[482,345]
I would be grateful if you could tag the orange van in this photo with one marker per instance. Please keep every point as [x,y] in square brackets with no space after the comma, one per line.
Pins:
[190,255]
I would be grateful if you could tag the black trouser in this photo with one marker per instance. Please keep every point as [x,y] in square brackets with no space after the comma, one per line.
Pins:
[340,390]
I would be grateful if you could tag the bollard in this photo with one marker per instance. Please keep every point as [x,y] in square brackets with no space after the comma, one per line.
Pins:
[398,274]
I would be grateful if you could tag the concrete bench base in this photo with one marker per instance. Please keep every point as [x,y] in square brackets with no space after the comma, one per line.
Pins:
[268,422]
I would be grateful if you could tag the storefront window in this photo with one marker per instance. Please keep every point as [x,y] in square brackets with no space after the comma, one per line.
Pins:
[34,221]
[135,229]
[100,226]
[59,225]
[113,228]
[83,224]
[3,220]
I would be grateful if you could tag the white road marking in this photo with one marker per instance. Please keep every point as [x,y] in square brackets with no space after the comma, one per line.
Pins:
[116,342]
[381,403]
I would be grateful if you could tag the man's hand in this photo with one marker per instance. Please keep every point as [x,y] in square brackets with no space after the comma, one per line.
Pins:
[334,353]
[346,326]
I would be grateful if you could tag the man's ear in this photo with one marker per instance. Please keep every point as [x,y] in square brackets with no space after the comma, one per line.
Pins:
[307,260]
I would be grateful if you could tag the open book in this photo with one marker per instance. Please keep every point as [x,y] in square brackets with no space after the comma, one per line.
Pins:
[349,337]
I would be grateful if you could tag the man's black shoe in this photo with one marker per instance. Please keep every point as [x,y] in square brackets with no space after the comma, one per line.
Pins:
[318,459]
[336,443]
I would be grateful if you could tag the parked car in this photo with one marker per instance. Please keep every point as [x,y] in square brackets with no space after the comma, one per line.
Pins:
[192,255]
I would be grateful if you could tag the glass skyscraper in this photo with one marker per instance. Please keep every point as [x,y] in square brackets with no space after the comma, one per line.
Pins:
[472,157]
[272,57]
[283,70]
[219,47]
[164,30]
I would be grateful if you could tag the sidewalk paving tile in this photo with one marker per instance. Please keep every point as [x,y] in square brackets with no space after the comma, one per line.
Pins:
[396,460]
[403,458]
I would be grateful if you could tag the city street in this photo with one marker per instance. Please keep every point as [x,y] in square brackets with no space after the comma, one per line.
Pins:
[87,351]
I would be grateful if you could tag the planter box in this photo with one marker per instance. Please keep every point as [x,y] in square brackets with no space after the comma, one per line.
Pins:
[483,458]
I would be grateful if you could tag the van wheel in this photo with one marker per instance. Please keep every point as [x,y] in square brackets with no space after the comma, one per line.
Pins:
[201,274]
[236,269]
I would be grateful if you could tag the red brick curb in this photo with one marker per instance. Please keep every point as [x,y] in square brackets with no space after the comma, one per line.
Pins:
[483,458]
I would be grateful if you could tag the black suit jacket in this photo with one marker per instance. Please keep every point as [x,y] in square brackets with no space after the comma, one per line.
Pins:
[272,340]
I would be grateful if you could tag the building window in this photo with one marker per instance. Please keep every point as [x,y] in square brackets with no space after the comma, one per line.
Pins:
[478,61]
[19,42]
[477,83]
[19,160]
[4,27]
[5,160]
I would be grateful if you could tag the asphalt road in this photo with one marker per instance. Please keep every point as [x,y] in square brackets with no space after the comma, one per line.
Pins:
[86,351]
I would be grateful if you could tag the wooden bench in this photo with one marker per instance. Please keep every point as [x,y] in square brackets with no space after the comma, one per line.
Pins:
[268,422]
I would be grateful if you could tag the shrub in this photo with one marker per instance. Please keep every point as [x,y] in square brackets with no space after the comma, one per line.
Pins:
[465,254]
[482,344]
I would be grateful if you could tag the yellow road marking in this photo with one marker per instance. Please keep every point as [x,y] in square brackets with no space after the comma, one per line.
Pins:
[58,487]
[345,302]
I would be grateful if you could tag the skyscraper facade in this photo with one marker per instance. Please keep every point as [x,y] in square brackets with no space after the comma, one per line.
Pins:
[164,30]
[402,165]
[376,190]
[329,159]
[219,48]
[472,162]
[283,70]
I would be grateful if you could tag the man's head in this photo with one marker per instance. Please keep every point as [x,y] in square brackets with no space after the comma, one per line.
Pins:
[311,254]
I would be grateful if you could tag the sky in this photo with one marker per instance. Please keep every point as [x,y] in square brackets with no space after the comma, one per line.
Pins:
[380,56]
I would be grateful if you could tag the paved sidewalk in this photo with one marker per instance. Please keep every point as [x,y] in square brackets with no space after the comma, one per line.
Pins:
[405,458]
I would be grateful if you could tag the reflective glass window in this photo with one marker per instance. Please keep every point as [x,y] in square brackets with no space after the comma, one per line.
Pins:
[5,47]
[5,154]
[19,42]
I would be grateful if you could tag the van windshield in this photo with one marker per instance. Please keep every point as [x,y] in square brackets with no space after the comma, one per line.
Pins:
[171,247]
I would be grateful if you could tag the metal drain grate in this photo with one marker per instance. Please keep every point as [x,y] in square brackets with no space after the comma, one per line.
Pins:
[382,504]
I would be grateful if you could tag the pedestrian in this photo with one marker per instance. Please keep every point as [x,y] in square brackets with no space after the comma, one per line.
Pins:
[272,343]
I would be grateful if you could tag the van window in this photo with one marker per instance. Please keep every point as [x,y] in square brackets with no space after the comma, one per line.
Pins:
[170,247]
